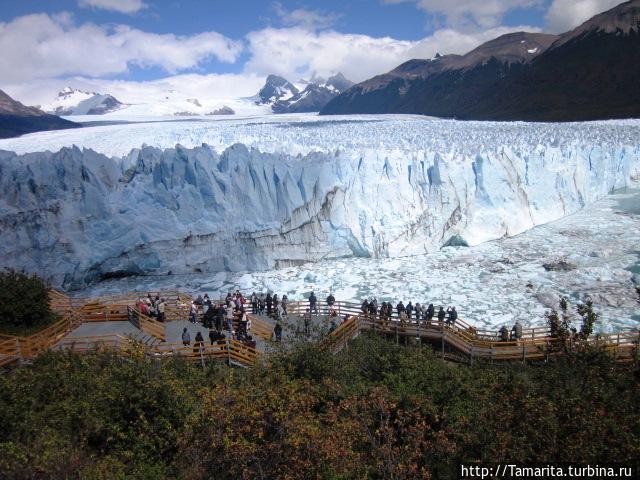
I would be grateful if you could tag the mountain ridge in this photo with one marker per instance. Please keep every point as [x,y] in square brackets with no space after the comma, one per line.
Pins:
[584,74]
[17,119]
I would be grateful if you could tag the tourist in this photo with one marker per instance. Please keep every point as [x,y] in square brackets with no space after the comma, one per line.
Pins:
[313,303]
[285,300]
[307,321]
[453,316]
[373,306]
[254,303]
[186,338]
[277,331]
[198,345]
[210,317]
[280,313]
[229,316]
[218,311]
[441,315]
[365,307]
[409,310]
[199,301]
[243,322]
[161,309]
[430,312]
[504,334]
[269,303]
[517,330]
[276,301]
[403,317]
[193,313]
[418,311]
[261,304]
[331,300]
[400,308]
[144,310]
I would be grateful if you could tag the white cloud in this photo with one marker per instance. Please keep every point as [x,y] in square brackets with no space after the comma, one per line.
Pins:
[43,46]
[308,19]
[475,13]
[123,6]
[296,52]
[565,15]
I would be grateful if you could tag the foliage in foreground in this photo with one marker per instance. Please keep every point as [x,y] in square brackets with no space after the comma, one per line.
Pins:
[376,410]
[24,303]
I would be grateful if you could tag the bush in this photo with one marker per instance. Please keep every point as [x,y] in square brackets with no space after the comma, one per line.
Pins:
[376,410]
[24,303]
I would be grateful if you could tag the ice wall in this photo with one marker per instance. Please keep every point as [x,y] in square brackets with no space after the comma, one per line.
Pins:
[76,216]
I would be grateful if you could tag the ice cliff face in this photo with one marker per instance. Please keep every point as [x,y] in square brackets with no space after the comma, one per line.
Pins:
[76,216]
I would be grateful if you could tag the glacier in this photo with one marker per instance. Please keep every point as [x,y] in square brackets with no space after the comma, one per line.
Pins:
[262,193]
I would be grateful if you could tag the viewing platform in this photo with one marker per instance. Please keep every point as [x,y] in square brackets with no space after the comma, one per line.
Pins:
[116,323]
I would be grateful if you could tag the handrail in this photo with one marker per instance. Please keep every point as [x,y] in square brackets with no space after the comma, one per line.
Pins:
[472,342]
[147,324]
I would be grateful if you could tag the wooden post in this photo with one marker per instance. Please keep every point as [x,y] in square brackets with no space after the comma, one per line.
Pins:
[524,353]
[442,341]
[228,353]
[201,348]
[19,351]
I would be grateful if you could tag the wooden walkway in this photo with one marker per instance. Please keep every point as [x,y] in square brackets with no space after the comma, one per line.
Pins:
[460,341]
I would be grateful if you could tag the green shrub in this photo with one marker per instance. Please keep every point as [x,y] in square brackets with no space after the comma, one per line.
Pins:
[376,410]
[24,303]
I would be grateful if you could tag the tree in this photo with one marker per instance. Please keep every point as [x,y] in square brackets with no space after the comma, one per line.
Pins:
[589,317]
[24,302]
[560,326]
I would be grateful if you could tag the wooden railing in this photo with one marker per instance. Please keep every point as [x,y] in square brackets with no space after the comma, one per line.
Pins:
[260,327]
[147,324]
[346,331]
[472,343]
[9,350]
[226,349]
[95,342]
[535,345]
[33,345]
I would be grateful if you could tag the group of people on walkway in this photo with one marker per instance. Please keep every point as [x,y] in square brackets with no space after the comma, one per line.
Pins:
[409,312]
[154,307]
[219,316]
[514,335]
[268,304]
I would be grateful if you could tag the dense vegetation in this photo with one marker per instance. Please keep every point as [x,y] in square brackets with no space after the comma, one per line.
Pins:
[376,410]
[24,303]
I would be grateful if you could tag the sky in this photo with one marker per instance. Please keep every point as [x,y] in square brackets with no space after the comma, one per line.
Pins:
[130,47]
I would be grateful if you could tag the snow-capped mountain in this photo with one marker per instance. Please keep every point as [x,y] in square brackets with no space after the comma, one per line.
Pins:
[17,119]
[78,102]
[275,89]
[312,96]
[393,188]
